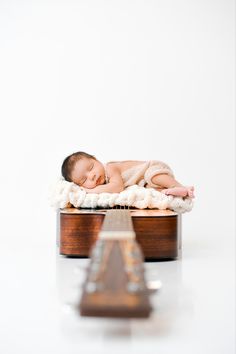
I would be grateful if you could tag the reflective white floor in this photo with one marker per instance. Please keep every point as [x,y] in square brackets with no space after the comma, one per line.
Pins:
[194,312]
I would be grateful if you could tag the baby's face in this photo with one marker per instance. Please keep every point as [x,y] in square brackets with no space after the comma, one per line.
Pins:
[88,173]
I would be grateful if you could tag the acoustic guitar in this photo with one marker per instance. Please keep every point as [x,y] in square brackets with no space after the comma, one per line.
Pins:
[158,232]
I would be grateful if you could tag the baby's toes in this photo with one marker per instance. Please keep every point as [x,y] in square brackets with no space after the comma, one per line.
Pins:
[190,193]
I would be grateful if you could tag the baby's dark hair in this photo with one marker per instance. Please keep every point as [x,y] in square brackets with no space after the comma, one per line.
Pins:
[69,163]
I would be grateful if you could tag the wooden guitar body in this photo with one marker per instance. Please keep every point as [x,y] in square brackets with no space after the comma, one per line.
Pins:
[158,232]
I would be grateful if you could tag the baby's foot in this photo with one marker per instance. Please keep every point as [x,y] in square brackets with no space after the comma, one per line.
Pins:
[180,191]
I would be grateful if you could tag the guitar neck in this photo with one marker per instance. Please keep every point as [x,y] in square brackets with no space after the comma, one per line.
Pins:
[117,226]
[115,285]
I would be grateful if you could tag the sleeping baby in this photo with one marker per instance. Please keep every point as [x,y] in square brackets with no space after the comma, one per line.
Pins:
[113,177]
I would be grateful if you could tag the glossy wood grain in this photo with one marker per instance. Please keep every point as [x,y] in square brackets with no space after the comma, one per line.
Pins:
[156,231]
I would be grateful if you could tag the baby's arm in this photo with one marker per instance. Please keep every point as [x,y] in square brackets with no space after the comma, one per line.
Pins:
[115,184]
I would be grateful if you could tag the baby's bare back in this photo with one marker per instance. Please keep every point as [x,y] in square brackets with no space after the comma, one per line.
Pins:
[125,165]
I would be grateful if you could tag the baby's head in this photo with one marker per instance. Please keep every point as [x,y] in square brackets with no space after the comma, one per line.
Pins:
[83,169]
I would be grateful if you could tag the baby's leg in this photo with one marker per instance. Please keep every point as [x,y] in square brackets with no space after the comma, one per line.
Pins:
[171,187]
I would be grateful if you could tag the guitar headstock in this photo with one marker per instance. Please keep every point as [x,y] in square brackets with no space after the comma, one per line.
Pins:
[115,285]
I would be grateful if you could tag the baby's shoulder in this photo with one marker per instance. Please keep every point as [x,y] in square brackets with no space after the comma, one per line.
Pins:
[112,166]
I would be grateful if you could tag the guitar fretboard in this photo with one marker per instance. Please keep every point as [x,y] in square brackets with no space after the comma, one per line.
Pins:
[117,225]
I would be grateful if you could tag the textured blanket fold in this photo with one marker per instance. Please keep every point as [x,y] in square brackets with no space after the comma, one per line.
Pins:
[65,194]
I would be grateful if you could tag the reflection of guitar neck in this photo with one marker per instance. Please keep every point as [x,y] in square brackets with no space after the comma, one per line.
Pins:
[115,285]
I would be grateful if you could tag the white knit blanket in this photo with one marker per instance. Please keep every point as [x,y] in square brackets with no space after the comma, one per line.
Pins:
[65,194]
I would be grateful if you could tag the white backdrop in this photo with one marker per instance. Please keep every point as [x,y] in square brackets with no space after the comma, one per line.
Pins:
[122,80]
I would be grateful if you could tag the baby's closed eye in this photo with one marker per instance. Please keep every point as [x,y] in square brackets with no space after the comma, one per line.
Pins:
[82,182]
